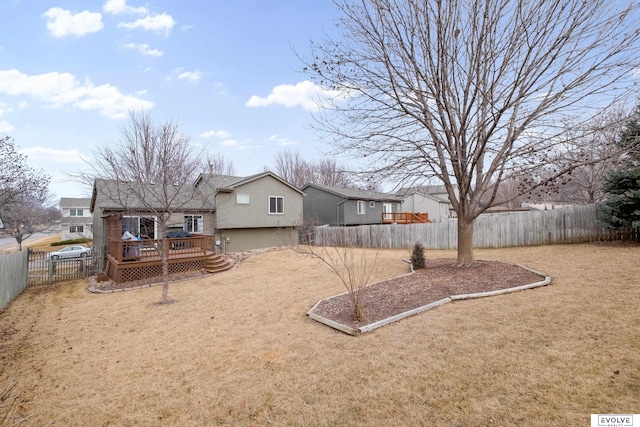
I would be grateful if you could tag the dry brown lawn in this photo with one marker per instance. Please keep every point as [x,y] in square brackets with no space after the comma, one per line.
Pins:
[237,349]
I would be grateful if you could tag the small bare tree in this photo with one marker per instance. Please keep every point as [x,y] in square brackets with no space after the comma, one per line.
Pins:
[354,267]
[471,92]
[151,171]
[352,260]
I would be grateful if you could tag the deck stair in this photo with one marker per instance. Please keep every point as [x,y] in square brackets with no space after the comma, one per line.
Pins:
[217,263]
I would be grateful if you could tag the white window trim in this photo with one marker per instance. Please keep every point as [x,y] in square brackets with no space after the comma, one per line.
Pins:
[155,222]
[372,204]
[269,205]
[361,207]
[200,224]
[243,199]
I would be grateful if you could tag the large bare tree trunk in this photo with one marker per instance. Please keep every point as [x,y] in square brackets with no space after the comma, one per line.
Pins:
[465,242]
[165,271]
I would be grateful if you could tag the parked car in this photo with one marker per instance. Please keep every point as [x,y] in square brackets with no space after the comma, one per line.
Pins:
[71,252]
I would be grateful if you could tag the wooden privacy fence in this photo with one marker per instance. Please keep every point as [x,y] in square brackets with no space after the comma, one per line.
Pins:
[569,225]
[13,276]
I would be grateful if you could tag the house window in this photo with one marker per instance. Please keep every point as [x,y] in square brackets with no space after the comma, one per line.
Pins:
[242,199]
[372,205]
[139,226]
[276,204]
[76,229]
[361,207]
[75,212]
[193,223]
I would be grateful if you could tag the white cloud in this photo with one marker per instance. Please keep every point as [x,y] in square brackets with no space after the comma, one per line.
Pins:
[5,126]
[192,76]
[305,94]
[63,23]
[46,155]
[156,23]
[5,109]
[64,90]
[120,6]
[144,49]
[220,134]
[282,142]
[229,143]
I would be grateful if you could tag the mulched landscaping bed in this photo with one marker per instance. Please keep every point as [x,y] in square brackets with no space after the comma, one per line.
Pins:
[439,279]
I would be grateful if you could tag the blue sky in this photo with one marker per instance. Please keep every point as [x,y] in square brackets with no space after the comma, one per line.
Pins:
[226,71]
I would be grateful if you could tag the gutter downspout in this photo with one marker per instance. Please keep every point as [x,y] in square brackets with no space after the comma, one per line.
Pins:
[338,212]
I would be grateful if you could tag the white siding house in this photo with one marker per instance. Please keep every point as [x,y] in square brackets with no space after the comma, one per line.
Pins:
[77,221]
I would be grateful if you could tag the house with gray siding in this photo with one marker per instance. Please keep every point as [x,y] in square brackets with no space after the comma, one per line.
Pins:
[346,206]
[111,198]
[437,208]
[257,211]
[242,213]
[76,221]
[430,199]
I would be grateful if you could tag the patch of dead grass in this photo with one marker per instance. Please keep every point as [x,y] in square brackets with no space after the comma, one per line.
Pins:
[237,349]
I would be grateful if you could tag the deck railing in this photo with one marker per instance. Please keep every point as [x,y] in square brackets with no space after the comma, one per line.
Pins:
[405,218]
[149,249]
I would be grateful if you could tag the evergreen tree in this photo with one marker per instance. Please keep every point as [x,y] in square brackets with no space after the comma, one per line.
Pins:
[622,208]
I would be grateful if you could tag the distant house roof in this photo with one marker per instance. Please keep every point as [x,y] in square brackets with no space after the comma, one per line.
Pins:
[426,196]
[423,189]
[228,183]
[71,202]
[356,194]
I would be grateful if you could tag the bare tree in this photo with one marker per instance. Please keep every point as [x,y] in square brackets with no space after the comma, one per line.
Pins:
[326,171]
[592,146]
[470,91]
[216,164]
[355,268]
[290,166]
[27,216]
[23,195]
[17,179]
[152,171]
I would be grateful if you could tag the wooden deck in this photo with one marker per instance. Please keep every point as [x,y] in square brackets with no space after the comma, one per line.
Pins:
[405,218]
[139,259]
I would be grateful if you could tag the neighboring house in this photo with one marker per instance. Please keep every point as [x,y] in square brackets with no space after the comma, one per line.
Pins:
[77,221]
[242,213]
[251,212]
[437,208]
[430,199]
[346,206]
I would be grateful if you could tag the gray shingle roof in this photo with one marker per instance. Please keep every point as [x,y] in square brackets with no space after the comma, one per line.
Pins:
[354,193]
[117,195]
[72,202]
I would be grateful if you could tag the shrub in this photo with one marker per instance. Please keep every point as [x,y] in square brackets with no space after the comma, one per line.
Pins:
[417,256]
